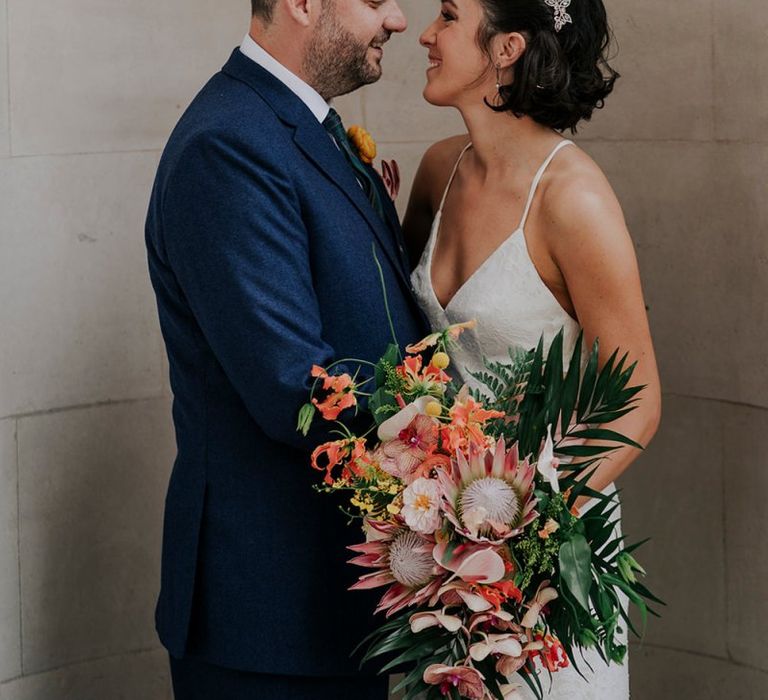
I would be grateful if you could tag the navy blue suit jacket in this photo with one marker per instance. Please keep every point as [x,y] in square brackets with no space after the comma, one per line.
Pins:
[260,244]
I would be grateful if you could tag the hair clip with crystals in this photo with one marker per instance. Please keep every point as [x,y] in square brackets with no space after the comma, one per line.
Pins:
[561,15]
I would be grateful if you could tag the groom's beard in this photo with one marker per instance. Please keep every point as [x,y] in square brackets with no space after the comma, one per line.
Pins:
[336,62]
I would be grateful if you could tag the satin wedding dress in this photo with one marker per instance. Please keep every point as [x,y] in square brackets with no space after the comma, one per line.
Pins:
[514,308]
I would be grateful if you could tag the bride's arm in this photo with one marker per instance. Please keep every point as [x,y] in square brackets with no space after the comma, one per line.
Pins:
[588,240]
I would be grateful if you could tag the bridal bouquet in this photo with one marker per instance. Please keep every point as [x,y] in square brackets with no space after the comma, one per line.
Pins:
[467,501]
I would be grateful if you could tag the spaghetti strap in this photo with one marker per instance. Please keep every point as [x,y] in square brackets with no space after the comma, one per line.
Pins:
[453,175]
[537,178]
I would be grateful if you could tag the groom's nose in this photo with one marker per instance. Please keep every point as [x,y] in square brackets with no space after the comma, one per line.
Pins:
[395,20]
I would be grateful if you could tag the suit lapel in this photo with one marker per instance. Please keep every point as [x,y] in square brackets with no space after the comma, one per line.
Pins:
[393,220]
[317,145]
[313,140]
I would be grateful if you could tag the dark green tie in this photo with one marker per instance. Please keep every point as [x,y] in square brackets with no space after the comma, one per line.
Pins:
[335,128]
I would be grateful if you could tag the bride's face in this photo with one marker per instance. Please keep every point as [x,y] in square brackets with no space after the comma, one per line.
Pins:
[458,71]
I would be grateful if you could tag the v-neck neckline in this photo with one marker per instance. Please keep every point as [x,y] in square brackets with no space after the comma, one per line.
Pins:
[436,224]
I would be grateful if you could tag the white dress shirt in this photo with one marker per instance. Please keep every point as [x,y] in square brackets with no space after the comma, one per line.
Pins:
[308,95]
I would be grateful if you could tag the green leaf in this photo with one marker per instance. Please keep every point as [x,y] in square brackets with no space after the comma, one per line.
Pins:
[584,451]
[553,380]
[570,389]
[609,368]
[603,434]
[588,383]
[575,568]
[415,654]
[531,679]
[631,548]
[389,359]
[610,416]
[413,677]
[379,404]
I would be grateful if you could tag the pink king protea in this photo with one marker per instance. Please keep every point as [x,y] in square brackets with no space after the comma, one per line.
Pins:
[403,560]
[489,498]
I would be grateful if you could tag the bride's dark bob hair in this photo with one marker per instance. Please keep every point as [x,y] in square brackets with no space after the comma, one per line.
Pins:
[562,77]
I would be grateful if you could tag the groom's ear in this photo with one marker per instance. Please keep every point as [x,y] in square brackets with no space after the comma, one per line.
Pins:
[304,12]
[509,48]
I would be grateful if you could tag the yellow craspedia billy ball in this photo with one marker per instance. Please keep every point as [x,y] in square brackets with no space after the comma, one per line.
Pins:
[440,360]
[363,142]
[434,409]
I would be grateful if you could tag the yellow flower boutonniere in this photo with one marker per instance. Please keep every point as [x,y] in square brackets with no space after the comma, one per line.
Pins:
[363,142]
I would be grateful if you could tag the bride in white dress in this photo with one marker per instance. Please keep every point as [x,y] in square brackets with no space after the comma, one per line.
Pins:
[517,227]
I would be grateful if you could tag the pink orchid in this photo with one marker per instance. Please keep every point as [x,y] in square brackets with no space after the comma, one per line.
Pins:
[544,595]
[403,455]
[458,593]
[509,664]
[493,619]
[502,644]
[467,680]
[470,562]
[392,427]
[424,620]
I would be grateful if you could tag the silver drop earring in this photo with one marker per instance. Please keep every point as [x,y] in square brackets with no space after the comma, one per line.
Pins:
[498,77]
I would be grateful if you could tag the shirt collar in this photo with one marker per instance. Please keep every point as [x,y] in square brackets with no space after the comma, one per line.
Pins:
[308,95]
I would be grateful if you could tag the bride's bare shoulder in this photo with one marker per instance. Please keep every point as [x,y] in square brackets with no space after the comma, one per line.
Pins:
[436,167]
[578,193]
[581,209]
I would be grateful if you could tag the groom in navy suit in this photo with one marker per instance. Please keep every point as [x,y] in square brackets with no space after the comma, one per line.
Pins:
[261,237]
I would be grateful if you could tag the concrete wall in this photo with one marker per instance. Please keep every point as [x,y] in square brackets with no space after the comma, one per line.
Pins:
[88,93]
[89,90]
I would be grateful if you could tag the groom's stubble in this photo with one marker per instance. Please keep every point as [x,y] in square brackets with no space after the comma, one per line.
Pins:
[336,62]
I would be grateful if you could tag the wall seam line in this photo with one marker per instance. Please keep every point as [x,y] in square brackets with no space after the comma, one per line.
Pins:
[8,74]
[724,537]
[663,647]
[18,544]
[161,394]
[83,662]
[727,402]
[713,69]
[70,154]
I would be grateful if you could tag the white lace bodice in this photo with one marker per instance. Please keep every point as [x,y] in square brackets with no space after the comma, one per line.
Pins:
[514,308]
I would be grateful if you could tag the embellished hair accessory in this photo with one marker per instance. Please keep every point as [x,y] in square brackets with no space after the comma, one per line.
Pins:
[561,15]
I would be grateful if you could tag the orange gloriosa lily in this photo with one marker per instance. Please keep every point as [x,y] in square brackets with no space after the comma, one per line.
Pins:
[499,592]
[419,377]
[466,427]
[349,453]
[450,333]
[341,394]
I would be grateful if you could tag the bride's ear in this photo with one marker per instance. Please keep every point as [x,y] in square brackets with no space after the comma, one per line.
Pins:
[509,49]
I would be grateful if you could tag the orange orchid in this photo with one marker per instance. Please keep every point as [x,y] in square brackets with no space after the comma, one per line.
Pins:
[347,452]
[341,394]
